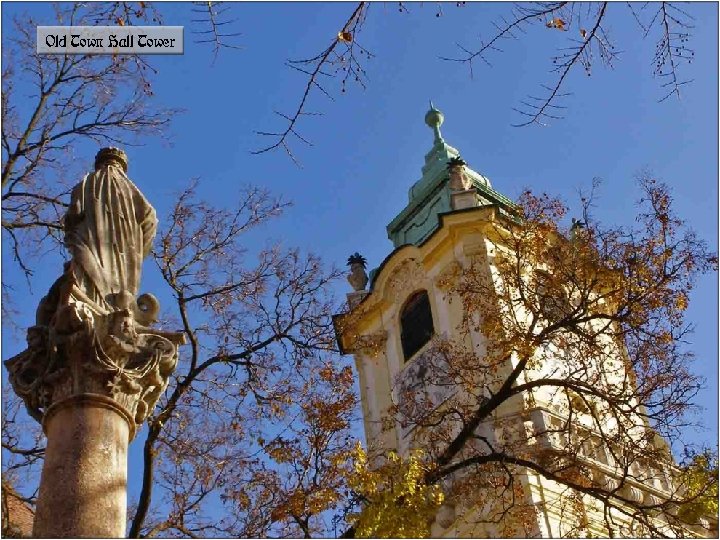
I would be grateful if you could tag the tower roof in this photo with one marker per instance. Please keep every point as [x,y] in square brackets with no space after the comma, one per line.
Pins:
[430,195]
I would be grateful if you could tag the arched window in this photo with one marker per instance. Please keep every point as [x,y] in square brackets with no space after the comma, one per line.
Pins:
[416,324]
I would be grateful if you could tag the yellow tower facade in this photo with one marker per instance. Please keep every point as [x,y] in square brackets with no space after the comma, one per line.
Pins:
[419,348]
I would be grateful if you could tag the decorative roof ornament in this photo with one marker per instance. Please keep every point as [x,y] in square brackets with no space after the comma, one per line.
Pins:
[456,163]
[434,119]
[358,277]
[433,195]
[577,227]
[440,152]
[356,258]
[459,180]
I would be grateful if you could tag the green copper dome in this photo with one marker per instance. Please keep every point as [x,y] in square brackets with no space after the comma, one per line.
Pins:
[430,196]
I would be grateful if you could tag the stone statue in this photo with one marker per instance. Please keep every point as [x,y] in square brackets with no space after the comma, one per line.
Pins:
[109,230]
[92,332]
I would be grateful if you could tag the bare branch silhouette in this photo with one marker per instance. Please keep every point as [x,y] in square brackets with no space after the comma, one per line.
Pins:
[538,110]
[522,16]
[672,24]
[214,22]
[671,48]
[70,98]
[341,59]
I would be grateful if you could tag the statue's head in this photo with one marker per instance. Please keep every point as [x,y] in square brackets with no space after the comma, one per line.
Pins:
[111,156]
[122,325]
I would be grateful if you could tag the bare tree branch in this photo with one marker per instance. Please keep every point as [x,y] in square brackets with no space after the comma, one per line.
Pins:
[538,111]
[345,63]
[71,98]
[213,15]
[673,26]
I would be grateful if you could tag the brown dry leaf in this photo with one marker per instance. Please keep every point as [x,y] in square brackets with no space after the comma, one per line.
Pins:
[557,22]
[583,33]
[345,36]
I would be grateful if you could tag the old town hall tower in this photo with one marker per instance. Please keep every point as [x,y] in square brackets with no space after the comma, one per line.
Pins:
[429,371]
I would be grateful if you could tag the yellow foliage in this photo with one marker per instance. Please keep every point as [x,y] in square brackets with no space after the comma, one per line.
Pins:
[321,500]
[281,455]
[400,504]
[700,480]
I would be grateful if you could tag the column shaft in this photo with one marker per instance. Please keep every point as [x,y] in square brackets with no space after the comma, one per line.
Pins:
[83,485]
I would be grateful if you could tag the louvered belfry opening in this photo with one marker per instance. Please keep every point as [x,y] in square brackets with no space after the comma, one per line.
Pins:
[416,324]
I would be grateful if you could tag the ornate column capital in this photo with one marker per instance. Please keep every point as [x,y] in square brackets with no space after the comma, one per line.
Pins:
[85,355]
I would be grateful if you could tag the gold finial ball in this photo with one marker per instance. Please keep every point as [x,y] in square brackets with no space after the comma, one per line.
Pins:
[111,155]
[434,118]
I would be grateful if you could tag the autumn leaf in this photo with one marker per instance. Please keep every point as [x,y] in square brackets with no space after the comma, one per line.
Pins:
[557,22]
[583,33]
[327,373]
[345,37]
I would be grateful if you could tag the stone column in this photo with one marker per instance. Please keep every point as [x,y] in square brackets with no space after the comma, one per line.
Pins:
[82,489]
[94,368]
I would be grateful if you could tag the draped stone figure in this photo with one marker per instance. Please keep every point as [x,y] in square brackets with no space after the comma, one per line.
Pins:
[109,230]
[93,306]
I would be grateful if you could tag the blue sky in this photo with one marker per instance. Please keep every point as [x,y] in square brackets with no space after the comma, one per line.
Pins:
[369,144]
